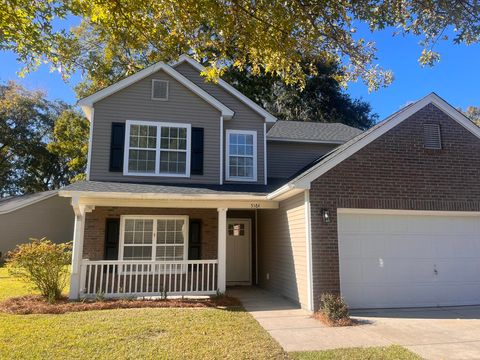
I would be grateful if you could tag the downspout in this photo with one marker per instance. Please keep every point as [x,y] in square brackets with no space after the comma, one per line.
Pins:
[221,150]
[90,140]
[256,246]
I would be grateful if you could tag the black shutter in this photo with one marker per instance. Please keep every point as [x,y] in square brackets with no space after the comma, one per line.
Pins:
[116,146]
[112,236]
[195,239]
[196,160]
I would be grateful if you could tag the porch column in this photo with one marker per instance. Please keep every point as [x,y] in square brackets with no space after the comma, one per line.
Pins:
[77,251]
[222,249]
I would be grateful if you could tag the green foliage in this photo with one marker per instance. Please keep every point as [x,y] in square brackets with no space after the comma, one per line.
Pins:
[28,123]
[322,99]
[119,37]
[333,306]
[70,142]
[473,113]
[392,352]
[43,264]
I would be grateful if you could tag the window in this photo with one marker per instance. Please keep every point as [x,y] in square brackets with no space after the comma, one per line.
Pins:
[236,229]
[160,90]
[241,155]
[159,238]
[432,136]
[157,149]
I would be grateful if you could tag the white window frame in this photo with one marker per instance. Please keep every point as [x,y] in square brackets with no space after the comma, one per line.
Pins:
[168,89]
[185,218]
[158,151]
[227,160]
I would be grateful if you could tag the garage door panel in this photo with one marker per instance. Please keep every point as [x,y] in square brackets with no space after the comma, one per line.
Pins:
[390,260]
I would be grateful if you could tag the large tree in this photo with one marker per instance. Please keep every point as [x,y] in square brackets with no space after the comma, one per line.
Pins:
[28,124]
[122,36]
[321,100]
[473,113]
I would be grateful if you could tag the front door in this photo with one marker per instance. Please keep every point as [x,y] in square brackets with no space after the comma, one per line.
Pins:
[238,251]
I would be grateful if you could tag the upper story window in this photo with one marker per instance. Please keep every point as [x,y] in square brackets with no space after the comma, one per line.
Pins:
[241,155]
[159,90]
[157,149]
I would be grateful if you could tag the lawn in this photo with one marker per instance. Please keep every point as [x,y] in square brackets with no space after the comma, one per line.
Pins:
[150,333]
[373,353]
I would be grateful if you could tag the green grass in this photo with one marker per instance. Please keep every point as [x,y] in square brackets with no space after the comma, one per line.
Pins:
[10,287]
[372,353]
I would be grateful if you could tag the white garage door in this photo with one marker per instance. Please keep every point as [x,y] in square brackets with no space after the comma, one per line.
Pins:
[408,260]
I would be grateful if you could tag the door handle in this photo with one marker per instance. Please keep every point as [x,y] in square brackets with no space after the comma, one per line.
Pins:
[435,271]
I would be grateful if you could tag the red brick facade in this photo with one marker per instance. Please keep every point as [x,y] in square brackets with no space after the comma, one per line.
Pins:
[395,172]
[94,236]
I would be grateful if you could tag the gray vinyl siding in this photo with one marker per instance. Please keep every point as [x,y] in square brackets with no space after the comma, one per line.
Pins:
[287,158]
[135,103]
[282,249]
[52,218]
[244,119]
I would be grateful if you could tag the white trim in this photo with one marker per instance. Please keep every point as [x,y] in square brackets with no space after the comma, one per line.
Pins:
[158,149]
[265,153]
[154,244]
[406,212]
[335,142]
[168,88]
[227,157]
[222,250]
[308,239]
[221,150]
[268,117]
[87,103]
[90,140]
[355,145]
[249,221]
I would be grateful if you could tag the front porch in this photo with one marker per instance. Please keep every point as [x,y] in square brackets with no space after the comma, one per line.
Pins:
[156,250]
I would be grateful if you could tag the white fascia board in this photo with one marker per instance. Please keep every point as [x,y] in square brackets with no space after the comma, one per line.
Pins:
[87,103]
[159,196]
[286,191]
[308,176]
[268,117]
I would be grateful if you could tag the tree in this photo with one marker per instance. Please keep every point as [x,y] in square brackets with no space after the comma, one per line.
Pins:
[473,113]
[322,99]
[27,124]
[123,36]
[70,142]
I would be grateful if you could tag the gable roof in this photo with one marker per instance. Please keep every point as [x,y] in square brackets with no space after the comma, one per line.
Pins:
[87,103]
[311,132]
[330,160]
[254,106]
[13,203]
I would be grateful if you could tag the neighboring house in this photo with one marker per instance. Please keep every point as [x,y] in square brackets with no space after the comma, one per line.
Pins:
[192,187]
[38,215]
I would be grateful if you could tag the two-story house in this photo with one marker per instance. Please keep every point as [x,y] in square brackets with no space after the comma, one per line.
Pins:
[193,187]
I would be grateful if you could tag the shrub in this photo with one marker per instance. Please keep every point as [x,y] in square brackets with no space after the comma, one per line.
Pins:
[333,307]
[43,264]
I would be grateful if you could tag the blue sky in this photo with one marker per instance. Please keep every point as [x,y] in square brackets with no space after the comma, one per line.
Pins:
[456,77]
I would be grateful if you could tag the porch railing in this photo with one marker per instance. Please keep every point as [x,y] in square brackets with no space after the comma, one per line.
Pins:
[148,278]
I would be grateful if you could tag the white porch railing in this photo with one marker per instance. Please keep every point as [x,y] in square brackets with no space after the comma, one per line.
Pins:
[148,278]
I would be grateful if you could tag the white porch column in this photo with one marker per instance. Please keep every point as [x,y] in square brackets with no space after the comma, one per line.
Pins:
[77,251]
[222,249]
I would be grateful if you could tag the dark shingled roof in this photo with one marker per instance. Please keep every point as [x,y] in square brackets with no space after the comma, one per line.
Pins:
[312,131]
[190,189]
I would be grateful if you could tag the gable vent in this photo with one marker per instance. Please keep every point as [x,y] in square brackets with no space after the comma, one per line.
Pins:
[159,90]
[432,137]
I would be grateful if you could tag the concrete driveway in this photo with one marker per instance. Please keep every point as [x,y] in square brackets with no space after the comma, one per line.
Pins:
[432,333]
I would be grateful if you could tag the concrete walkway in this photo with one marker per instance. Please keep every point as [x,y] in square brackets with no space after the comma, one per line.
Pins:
[434,333]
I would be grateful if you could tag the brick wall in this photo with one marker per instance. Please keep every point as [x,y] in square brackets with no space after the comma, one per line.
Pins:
[395,172]
[94,236]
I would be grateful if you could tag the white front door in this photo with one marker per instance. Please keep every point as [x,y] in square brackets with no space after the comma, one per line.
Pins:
[409,259]
[238,251]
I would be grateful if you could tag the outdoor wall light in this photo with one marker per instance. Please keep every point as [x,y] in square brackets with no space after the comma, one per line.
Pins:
[325,216]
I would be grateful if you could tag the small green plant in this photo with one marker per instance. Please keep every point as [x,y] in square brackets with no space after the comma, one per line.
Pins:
[333,307]
[99,296]
[43,264]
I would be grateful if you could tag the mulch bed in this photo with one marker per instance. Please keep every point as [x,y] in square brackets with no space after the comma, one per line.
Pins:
[33,304]
[331,323]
